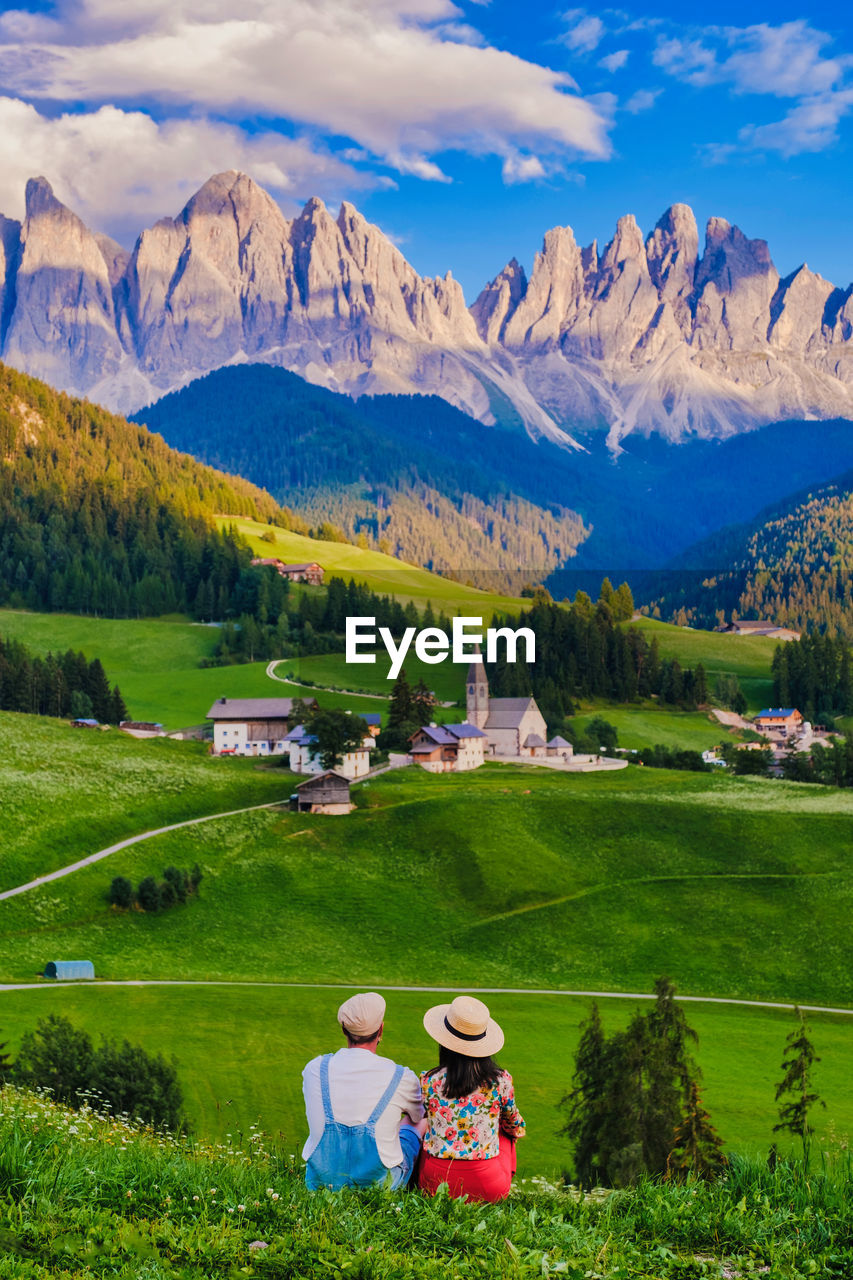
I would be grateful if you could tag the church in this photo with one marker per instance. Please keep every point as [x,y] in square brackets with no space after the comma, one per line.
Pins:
[513,726]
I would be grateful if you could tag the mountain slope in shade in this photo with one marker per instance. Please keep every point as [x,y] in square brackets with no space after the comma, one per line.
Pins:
[649,334]
[447,491]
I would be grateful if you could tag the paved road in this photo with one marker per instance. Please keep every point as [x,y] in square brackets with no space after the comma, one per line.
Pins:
[124,844]
[483,991]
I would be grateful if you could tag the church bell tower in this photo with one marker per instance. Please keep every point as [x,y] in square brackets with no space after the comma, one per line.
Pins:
[477,693]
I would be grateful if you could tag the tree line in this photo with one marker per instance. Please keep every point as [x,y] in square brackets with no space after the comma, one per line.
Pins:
[585,651]
[64,685]
[815,675]
[117,1076]
[634,1106]
[98,516]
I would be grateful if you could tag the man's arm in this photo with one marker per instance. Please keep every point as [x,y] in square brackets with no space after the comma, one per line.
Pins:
[413,1101]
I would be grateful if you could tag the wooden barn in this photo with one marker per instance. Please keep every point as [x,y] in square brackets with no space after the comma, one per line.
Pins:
[324,793]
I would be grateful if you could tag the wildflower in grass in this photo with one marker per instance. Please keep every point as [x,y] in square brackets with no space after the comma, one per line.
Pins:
[258,1244]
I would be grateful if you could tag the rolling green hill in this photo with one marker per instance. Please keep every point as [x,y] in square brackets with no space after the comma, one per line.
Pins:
[507,877]
[384,574]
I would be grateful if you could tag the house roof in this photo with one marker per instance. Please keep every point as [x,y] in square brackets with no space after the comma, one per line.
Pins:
[776,712]
[309,564]
[464,730]
[425,749]
[507,713]
[439,735]
[251,709]
[557,741]
[533,740]
[371,717]
[323,779]
[299,735]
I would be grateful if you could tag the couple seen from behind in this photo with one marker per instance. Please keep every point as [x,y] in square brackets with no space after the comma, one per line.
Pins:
[373,1121]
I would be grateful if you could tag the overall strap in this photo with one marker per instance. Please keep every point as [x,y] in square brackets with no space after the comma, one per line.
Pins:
[328,1114]
[387,1095]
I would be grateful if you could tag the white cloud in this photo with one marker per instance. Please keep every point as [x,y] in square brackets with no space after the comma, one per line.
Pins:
[791,60]
[518,168]
[585,33]
[402,79]
[810,126]
[642,100]
[615,61]
[120,170]
[785,61]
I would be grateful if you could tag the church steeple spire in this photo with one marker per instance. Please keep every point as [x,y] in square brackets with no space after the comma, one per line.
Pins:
[477,693]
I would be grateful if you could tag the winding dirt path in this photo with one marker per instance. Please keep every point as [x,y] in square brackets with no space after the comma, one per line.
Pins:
[125,844]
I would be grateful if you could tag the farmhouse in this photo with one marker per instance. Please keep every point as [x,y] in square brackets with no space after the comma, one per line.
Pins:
[310,571]
[252,726]
[326,793]
[513,726]
[448,748]
[784,721]
[755,627]
[301,745]
[142,728]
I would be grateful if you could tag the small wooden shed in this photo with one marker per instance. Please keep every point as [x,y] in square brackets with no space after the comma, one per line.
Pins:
[324,793]
[69,970]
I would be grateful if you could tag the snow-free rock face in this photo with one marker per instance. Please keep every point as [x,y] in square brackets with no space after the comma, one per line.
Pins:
[62,324]
[645,335]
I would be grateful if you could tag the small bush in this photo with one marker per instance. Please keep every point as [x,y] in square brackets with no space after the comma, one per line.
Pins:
[121,893]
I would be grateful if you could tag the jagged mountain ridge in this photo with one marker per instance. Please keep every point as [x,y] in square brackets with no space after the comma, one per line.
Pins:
[648,335]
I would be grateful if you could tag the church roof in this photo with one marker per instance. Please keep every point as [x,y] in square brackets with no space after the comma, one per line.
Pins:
[533,740]
[557,741]
[507,713]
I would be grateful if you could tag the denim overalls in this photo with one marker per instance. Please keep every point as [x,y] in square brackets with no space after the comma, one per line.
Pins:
[346,1155]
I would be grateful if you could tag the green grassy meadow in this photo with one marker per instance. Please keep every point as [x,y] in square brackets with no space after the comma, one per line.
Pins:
[155,662]
[382,573]
[647,726]
[506,877]
[68,792]
[446,679]
[747,657]
[241,1052]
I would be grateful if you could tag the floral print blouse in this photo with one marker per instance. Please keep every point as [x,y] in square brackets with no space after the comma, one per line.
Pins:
[468,1128]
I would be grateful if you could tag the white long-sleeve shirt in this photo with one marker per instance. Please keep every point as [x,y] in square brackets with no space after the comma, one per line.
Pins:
[357,1080]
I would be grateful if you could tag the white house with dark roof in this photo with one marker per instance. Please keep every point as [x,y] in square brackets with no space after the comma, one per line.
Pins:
[448,748]
[513,726]
[301,746]
[252,726]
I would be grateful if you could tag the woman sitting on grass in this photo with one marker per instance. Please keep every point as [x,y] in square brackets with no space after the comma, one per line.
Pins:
[472,1118]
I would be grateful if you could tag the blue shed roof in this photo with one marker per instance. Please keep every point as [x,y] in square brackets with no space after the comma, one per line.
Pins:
[464,730]
[66,970]
[776,711]
[371,717]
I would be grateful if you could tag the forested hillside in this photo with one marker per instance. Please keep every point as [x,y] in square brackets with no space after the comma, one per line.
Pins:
[99,516]
[792,565]
[416,476]
[409,475]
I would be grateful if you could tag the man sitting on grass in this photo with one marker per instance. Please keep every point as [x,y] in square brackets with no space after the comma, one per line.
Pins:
[356,1102]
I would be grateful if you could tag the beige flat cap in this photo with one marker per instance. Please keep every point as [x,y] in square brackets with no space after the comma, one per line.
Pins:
[362,1015]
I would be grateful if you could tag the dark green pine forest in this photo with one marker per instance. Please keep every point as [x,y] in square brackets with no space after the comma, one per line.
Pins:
[793,565]
[99,516]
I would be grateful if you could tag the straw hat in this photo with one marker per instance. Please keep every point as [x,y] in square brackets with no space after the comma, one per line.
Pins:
[465,1026]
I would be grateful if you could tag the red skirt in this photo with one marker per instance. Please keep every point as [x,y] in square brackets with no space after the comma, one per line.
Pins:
[476,1179]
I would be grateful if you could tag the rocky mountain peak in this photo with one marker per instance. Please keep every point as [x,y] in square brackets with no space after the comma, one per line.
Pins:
[41,200]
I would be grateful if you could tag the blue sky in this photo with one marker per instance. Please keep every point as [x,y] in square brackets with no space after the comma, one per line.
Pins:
[464,129]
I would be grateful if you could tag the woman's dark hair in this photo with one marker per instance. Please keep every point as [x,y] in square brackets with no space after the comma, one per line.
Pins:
[463,1075]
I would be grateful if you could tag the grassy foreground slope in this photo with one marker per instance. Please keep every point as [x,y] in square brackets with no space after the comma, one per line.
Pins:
[84,1196]
[241,1051]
